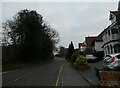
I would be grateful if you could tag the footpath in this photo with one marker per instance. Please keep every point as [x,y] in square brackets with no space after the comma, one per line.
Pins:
[72,77]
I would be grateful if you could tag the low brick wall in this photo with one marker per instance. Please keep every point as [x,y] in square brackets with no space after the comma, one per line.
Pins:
[110,78]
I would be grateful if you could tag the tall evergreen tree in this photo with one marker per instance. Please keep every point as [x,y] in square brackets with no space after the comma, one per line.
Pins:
[70,51]
[72,48]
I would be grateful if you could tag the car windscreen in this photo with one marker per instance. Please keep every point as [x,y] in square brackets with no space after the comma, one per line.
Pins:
[118,56]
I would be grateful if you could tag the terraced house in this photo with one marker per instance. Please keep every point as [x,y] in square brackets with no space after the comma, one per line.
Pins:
[111,35]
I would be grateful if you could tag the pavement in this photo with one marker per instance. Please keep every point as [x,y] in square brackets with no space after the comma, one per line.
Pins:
[75,79]
[90,74]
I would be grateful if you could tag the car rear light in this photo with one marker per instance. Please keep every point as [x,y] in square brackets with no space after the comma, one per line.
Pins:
[112,59]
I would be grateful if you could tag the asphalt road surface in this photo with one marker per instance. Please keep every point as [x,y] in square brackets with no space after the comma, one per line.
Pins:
[57,73]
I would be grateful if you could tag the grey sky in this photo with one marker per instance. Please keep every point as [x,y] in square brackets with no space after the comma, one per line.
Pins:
[73,20]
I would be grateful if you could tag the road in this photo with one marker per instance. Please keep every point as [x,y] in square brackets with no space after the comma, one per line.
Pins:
[57,73]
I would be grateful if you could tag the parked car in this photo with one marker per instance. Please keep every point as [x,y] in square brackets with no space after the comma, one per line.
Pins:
[91,59]
[112,61]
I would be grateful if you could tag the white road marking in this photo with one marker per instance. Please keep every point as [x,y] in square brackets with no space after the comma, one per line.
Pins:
[28,74]
[58,76]
[21,76]
[62,80]
[17,79]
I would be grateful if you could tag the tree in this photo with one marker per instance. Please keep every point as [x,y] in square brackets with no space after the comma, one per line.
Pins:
[62,51]
[34,37]
[72,48]
[88,50]
[5,34]
[70,51]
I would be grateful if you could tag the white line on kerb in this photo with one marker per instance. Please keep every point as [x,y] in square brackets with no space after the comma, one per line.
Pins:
[58,76]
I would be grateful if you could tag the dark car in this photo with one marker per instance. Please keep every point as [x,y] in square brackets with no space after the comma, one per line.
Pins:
[91,59]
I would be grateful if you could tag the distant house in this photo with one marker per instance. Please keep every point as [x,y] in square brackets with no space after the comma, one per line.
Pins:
[89,40]
[111,34]
[82,46]
[97,43]
[93,42]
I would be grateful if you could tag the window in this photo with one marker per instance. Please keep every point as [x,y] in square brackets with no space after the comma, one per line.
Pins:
[112,16]
[108,32]
[111,49]
[118,56]
[117,48]
[114,31]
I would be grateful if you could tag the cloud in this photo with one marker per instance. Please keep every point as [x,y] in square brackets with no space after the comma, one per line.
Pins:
[60,0]
[74,21]
[82,7]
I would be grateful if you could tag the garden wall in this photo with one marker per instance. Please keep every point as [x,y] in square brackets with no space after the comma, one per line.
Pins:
[110,78]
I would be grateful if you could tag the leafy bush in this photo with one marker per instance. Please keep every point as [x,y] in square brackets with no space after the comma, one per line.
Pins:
[74,57]
[81,60]
[82,53]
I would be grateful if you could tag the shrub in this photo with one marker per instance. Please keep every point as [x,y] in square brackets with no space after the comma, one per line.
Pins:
[81,60]
[74,57]
[82,53]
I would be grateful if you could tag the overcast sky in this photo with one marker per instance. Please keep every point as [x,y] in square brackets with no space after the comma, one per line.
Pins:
[73,20]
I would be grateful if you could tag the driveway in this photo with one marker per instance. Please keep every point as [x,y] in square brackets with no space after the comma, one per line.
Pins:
[90,74]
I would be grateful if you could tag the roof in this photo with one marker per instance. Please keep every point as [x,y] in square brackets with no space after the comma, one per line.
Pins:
[81,44]
[116,13]
[90,40]
[109,27]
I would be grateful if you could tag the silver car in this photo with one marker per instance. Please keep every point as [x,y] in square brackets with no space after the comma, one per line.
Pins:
[112,61]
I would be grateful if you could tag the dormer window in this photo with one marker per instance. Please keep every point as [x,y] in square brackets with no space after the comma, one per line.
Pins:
[111,16]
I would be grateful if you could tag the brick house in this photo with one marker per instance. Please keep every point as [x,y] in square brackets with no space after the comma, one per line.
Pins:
[93,42]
